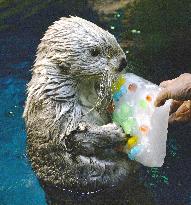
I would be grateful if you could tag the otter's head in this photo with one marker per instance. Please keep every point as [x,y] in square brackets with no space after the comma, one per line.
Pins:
[81,48]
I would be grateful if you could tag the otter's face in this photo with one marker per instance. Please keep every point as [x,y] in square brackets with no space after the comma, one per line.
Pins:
[81,48]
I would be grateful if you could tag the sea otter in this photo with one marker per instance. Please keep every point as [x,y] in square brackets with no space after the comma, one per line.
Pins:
[71,139]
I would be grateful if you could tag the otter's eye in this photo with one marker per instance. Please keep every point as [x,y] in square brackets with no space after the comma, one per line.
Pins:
[95,52]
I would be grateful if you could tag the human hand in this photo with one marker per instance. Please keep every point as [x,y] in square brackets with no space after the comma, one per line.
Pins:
[178,89]
[180,111]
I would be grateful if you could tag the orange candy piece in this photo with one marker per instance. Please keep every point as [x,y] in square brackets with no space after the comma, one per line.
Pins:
[144,129]
[132,87]
[148,98]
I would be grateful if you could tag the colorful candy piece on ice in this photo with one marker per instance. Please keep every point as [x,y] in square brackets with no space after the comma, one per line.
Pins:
[134,152]
[144,129]
[123,90]
[125,110]
[132,142]
[135,112]
[148,98]
[143,104]
[128,125]
[121,116]
[116,96]
[132,87]
[117,85]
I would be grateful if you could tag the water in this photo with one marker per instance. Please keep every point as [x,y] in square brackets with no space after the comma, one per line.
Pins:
[156,38]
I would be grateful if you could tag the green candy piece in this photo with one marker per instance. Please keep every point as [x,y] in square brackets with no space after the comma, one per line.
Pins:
[127,128]
[116,118]
[122,117]
[125,111]
[143,104]
[123,114]
[128,125]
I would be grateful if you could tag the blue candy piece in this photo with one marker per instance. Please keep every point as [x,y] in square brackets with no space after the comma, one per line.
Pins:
[123,90]
[117,95]
[133,152]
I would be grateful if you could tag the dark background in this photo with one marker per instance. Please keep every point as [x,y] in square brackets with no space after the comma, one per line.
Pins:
[156,36]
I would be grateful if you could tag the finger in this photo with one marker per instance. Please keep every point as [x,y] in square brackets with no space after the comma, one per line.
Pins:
[183,113]
[162,97]
[175,105]
[184,75]
[186,117]
[165,83]
[184,108]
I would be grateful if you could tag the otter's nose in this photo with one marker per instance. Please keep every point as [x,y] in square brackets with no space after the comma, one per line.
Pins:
[122,65]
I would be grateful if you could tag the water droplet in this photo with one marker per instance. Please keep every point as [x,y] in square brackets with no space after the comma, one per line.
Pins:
[133,31]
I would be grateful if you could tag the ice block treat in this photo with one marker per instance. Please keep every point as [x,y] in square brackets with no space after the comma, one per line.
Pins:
[145,124]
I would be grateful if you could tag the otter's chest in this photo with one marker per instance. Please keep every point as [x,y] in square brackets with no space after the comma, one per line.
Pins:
[88,98]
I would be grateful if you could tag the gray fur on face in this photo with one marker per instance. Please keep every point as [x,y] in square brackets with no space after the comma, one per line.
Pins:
[69,135]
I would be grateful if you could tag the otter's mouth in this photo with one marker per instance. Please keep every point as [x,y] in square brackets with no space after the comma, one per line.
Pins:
[103,87]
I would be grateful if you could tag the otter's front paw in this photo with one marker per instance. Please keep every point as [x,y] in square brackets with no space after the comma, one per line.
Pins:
[106,137]
[113,134]
[95,139]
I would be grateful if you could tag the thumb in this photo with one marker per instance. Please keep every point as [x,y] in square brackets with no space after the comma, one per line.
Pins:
[162,97]
[183,113]
[184,108]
